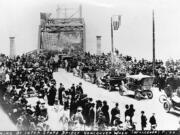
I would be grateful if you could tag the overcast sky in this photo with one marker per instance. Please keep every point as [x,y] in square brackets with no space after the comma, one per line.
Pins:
[20,18]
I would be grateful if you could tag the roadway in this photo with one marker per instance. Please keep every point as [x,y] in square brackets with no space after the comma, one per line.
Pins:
[165,121]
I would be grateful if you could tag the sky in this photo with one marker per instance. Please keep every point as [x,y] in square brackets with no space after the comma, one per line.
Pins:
[21,18]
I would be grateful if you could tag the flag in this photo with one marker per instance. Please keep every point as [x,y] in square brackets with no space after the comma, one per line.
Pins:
[116,22]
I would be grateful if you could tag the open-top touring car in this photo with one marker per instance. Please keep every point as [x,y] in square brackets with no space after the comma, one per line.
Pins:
[140,84]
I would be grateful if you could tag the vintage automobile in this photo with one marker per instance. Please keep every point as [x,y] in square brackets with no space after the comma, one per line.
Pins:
[139,84]
[110,82]
[90,74]
[65,58]
[170,100]
[77,71]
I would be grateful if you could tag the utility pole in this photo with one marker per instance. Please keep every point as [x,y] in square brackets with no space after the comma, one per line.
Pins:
[153,43]
[112,43]
[115,24]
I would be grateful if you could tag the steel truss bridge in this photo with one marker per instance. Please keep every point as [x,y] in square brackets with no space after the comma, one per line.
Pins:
[62,33]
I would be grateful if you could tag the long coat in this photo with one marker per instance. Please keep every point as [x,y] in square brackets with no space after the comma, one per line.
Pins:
[91,116]
[143,121]
[51,96]
[60,90]
[105,110]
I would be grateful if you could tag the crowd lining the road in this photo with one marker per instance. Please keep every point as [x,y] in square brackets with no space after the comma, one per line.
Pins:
[32,75]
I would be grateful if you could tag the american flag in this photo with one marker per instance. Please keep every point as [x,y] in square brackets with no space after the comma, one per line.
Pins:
[116,22]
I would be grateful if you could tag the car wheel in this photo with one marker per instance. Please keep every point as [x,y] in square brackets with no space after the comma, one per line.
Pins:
[149,94]
[167,106]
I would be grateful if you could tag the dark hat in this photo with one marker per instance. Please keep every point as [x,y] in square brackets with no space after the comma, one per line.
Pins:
[104,102]
[38,102]
[131,105]
[142,112]
[92,104]
[126,106]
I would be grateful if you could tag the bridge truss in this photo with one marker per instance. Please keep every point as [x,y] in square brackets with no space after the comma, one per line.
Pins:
[62,33]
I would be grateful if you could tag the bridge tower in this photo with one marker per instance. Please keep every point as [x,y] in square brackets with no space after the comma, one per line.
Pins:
[66,31]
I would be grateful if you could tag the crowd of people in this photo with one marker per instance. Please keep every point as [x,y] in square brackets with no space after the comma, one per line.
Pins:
[27,76]
[32,75]
[165,74]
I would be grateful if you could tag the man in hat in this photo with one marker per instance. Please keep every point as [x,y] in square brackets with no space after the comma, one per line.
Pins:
[114,112]
[143,120]
[79,88]
[86,104]
[131,112]
[60,90]
[152,121]
[52,95]
[161,81]
[126,113]
[105,110]
[73,91]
